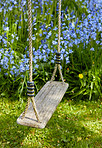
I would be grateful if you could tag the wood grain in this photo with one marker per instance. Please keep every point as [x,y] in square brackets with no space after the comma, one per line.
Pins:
[46,101]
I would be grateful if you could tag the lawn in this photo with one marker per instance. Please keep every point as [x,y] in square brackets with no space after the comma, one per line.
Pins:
[75,124]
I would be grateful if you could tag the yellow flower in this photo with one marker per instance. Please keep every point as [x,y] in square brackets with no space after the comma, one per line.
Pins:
[81,76]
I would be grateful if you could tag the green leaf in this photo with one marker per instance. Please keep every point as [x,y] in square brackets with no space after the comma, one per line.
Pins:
[79,92]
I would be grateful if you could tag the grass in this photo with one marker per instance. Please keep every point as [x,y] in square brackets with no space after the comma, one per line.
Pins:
[75,124]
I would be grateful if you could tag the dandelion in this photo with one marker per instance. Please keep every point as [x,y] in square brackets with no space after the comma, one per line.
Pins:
[93,63]
[81,76]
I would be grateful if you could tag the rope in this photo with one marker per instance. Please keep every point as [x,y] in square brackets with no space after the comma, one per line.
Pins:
[53,75]
[59,25]
[34,108]
[60,72]
[59,32]
[30,39]
[30,63]
[26,108]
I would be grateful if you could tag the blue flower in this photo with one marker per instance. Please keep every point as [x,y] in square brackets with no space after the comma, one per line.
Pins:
[67,60]
[0,9]
[27,67]
[22,68]
[26,48]
[44,58]
[26,60]
[6,28]
[19,27]
[48,50]
[17,38]
[13,35]
[97,42]
[36,66]
[92,49]
[22,76]
[0,55]
[54,42]
[6,74]
[70,51]
[0,37]
[52,61]
[55,28]
[12,73]
[26,20]
[33,38]
[62,50]
[12,40]
[45,46]
[51,23]
[45,33]
[40,35]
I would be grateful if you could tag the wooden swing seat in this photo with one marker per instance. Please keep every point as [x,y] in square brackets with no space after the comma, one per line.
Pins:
[46,101]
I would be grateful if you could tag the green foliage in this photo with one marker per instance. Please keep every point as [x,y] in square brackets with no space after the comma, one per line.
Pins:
[8,85]
[73,125]
[76,6]
[88,87]
[88,64]
[82,60]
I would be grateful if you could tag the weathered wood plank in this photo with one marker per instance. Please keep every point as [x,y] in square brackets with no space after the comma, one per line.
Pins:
[54,103]
[48,98]
[49,104]
[46,102]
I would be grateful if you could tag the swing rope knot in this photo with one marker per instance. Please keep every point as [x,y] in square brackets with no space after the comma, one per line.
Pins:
[58,58]
[30,91]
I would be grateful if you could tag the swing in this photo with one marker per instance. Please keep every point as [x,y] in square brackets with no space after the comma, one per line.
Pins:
[40,108]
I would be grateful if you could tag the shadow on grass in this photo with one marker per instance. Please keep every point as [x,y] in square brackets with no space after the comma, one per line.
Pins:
[11,134]
[68,130]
